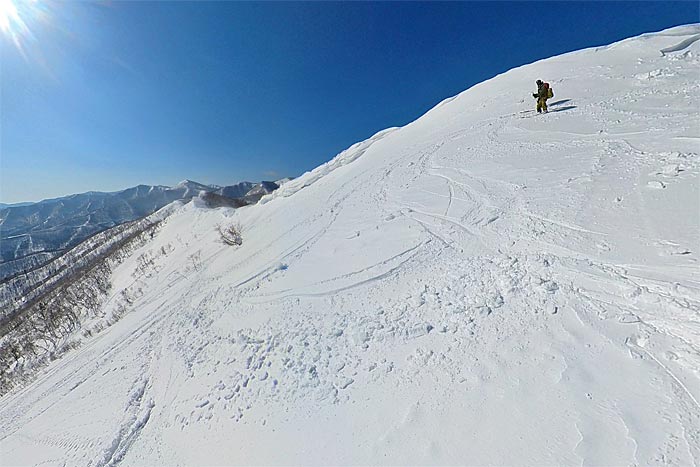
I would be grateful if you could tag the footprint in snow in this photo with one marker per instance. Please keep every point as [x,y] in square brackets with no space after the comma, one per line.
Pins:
[670,170]
[629,318]
[656,184]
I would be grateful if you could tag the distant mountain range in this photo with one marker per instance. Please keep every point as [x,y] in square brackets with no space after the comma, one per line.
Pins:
[33,233]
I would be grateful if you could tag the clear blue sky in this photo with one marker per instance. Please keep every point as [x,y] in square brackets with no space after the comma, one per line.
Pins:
[109,95]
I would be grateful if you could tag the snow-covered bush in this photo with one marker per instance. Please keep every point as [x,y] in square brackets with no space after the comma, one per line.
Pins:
[230,234]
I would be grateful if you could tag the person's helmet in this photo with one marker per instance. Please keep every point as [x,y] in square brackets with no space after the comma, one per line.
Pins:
[539,81]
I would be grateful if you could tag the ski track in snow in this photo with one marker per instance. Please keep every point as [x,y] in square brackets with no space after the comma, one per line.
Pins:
[471,281]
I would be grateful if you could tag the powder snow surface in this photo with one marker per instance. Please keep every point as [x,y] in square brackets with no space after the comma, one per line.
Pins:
[482,286]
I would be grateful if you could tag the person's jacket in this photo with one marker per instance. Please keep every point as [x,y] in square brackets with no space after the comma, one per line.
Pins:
[541,92]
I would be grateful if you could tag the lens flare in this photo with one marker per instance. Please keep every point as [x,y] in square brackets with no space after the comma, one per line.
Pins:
[14,18]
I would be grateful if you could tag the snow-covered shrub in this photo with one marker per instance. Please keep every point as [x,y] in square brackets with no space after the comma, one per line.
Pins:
[230,234]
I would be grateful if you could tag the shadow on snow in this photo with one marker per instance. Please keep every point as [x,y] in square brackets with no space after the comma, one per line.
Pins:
[561,109]
[563,101]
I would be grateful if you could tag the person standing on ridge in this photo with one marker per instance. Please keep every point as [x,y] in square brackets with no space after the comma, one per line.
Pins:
[544,92]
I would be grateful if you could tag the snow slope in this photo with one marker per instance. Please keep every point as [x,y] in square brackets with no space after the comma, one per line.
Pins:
[482,286]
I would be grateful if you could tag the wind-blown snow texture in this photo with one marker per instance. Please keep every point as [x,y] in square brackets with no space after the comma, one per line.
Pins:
[482,286]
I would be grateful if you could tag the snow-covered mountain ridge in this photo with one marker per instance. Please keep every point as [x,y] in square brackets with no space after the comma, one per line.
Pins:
[32,234]
[482,286]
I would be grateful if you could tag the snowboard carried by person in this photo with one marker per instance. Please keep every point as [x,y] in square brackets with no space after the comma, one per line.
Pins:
[544,92]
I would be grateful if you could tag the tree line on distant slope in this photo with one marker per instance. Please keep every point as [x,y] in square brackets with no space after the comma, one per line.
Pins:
[42,331]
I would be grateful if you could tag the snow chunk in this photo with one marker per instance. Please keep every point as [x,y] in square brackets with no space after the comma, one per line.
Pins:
[345,382]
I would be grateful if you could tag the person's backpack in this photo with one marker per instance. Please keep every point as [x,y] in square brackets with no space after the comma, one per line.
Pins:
[550,93]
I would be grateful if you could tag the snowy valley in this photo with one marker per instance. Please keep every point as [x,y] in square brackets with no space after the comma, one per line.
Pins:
[482,286]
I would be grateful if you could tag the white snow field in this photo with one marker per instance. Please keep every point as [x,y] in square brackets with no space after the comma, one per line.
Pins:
[482,286]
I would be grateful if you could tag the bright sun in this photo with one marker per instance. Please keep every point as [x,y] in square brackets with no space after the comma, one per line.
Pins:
[8,16]
[13,20]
